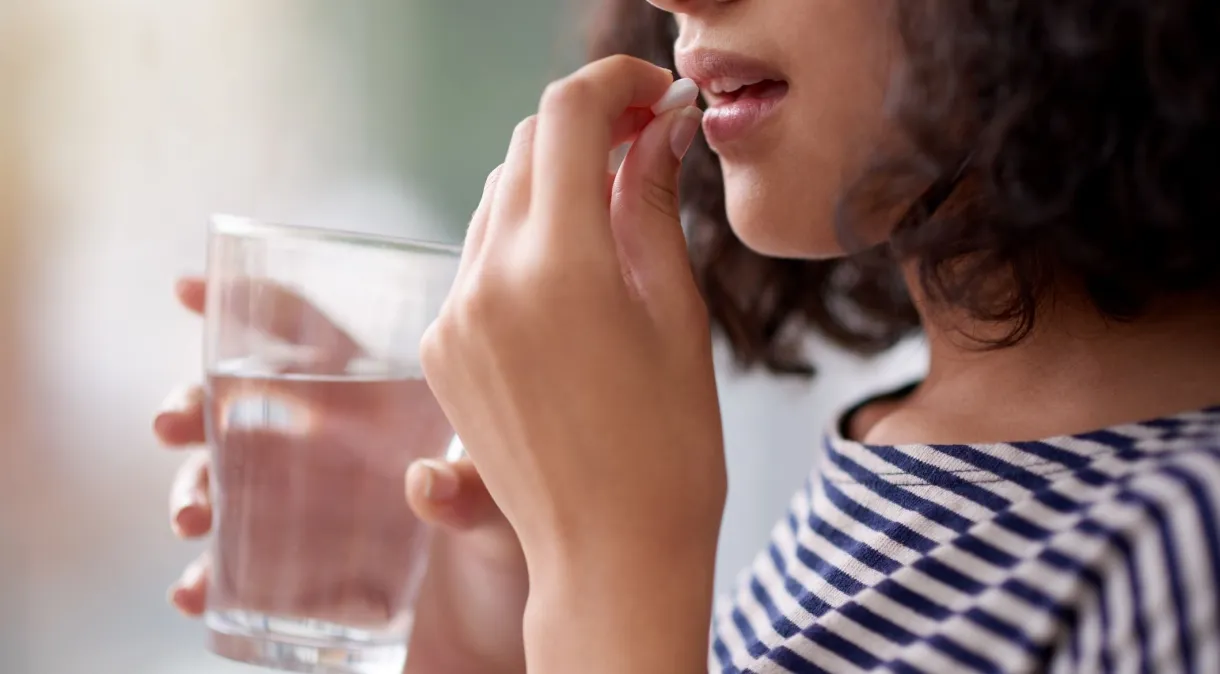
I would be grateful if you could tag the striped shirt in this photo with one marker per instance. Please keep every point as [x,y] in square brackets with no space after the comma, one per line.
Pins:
[1092,553]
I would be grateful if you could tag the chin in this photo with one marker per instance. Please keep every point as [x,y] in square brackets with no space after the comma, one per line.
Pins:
[783,221]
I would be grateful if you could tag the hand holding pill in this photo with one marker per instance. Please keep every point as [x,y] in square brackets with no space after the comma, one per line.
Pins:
[574,360]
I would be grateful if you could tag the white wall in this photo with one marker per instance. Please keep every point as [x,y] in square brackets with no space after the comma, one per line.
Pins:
[124,124]
[773,428]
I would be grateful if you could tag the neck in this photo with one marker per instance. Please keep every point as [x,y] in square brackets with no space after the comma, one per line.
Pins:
[1076,371]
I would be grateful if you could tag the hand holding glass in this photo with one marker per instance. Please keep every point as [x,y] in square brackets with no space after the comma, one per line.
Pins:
[316,406]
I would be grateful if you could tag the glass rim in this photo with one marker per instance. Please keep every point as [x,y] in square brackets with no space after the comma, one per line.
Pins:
[247,227]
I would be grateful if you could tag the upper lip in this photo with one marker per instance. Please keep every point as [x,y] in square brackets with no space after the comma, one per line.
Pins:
[718,71]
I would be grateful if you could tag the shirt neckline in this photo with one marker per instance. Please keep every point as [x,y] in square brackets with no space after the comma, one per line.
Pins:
[850,461]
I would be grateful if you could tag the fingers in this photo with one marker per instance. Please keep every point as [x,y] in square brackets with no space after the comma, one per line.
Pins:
[180,424]
[452,495]
[513,192]
[629,125]
[515,176]
[279,311]
[192,293]
[180,421]
[645,208]
[282,312]
[189,594]
[190,506]
[576,122]
[476,232]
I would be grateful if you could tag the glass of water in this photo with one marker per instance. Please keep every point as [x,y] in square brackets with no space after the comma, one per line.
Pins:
[315,407]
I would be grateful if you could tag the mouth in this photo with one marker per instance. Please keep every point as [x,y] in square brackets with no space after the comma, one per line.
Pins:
[741,92]
[728,90]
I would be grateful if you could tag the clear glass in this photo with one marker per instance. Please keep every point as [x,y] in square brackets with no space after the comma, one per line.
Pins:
[316,405]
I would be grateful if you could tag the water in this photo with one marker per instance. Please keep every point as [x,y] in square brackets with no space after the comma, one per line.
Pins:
[317,557]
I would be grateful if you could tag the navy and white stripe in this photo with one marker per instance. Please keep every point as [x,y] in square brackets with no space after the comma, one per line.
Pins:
[1092,553]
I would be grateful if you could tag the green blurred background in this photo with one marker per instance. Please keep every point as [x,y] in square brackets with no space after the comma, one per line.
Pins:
[477,68]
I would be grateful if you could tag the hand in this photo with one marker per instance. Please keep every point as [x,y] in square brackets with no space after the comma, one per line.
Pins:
[574,360]
[469,615]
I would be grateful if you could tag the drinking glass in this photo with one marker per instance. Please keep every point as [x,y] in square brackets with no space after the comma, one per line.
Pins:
[315,407]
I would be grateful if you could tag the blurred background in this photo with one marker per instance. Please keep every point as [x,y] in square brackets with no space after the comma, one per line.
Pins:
[123,125]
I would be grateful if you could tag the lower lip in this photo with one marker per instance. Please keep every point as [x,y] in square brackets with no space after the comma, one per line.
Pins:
[729,122]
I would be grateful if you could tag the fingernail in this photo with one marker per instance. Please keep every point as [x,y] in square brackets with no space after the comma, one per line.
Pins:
[441,482]
[683,131]
[680,94]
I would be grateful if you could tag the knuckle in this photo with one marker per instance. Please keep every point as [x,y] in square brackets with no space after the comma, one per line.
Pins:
[524,131]
[618,63]
[538,267]
[480,302]
[566,95]
[493,178]
[431,348]
[661,197]
[482,308]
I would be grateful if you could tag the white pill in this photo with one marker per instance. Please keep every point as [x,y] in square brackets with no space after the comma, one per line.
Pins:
[680,94]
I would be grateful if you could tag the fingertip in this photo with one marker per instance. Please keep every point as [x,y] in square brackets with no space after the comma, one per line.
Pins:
[175,430]
[188,601]
[180,418]
[190,291]
[189,505]
[432,482]
[683,130]
[192,521]
[189,594]
[649,173]
[415,485]
[493,179]
[164,425]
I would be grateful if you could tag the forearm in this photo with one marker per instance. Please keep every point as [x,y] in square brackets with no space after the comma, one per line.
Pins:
[619,616]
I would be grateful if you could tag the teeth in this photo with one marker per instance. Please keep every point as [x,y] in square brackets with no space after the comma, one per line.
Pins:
[730,85]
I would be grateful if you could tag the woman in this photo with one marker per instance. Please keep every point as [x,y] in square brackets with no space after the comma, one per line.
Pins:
[1037,173]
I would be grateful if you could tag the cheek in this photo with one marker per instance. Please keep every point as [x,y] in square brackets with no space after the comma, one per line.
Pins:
[783,192]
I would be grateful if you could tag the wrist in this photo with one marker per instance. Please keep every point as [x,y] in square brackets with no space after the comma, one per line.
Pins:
[629,608]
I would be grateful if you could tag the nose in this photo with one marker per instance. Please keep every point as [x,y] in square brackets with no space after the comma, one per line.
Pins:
[685,6]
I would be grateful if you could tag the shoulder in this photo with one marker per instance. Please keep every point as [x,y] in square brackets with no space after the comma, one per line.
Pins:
[1176,481]
[1154,600]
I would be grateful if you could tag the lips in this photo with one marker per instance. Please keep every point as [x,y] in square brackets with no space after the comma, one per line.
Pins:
[741,92]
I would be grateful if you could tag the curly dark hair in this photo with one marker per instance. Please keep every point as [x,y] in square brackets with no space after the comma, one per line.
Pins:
[1083,152]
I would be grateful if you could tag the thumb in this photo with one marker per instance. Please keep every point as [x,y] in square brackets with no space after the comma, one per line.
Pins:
[452,495]
[644,208]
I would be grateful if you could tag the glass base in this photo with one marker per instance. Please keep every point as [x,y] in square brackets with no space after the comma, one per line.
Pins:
[304,646]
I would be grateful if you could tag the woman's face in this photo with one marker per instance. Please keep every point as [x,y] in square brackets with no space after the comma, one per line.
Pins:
[801,130]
